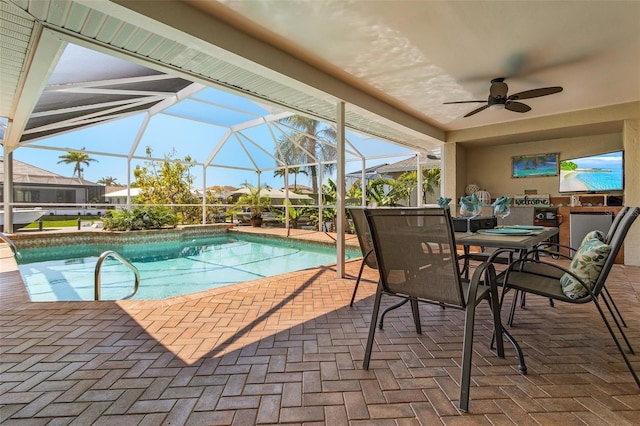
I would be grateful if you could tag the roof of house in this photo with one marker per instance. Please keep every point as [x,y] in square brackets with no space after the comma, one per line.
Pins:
[300,189]
[28,174]
[368,170]
[406,165]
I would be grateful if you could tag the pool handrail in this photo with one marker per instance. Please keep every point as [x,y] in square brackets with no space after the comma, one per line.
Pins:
[125,262]
[12,245]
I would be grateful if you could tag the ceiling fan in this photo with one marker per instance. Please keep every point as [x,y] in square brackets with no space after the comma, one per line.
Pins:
[498,96]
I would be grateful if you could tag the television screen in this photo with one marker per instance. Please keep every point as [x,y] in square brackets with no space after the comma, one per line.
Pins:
[595,173]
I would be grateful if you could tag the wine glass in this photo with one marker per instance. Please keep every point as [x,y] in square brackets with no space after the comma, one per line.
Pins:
[502,211]
[470,210]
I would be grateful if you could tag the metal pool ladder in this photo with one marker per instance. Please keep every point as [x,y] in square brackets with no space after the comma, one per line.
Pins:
[12,245]
[125,262]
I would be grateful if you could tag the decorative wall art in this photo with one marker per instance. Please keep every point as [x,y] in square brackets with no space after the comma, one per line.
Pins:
[537,165]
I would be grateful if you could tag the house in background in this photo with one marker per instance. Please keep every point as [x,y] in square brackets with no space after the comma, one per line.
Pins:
[118,195]
[394,171]
[54,192]
[370,173]
[301,189]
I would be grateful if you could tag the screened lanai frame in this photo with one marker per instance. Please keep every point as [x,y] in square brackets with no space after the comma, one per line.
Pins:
[130,87]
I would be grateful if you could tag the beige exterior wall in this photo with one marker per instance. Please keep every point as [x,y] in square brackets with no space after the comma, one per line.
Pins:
[631,139]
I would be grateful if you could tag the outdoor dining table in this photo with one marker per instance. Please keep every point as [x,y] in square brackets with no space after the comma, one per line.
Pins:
[518,243]
[514,243]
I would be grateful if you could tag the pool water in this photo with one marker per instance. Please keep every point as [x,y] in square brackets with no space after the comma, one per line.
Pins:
[167,269]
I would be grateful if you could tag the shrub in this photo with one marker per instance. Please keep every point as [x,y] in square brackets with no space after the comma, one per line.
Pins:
[143,217]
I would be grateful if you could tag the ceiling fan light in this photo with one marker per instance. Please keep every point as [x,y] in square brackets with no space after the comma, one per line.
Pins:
[496,106]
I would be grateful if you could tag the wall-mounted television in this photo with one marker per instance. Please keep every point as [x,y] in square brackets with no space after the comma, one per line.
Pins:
[595,173]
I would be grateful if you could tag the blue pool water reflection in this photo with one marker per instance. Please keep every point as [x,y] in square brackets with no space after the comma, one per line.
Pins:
[167,269]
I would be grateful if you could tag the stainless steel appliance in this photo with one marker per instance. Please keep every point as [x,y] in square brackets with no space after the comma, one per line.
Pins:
[581,223]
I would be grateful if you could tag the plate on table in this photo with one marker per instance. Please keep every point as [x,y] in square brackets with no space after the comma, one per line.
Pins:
[527,227]
[504,231]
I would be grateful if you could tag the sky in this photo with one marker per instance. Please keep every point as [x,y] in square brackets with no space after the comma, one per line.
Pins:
[190,128]
[613,160]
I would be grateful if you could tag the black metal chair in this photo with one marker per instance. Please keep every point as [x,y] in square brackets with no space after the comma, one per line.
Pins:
[416,256]
[553,249]
[535,276]
[366,245]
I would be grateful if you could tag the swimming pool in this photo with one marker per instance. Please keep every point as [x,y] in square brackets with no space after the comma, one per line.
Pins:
[167,269]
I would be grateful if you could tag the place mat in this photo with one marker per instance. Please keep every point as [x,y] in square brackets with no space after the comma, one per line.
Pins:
[504,231]
[529,227]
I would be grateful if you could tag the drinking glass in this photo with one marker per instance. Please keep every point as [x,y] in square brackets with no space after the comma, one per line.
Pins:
[470,211]
[502,211]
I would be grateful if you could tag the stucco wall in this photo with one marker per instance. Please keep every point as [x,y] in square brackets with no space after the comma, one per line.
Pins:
[631,135]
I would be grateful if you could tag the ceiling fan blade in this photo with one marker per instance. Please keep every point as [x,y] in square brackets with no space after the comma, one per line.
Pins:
[517,106]
[477,110]
[462,102]
[535,93]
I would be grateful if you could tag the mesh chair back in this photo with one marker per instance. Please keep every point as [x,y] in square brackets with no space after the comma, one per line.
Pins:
[616,243]
[416,253]
[520,216]
[614,225]
[364,236]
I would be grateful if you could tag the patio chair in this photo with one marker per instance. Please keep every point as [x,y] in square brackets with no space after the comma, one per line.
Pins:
[556,247]
[575,285]
[366,246]
[552,248]
[417,260]
[369,258]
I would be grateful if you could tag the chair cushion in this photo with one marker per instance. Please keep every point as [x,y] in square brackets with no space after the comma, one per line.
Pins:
[586,265]
[598,235]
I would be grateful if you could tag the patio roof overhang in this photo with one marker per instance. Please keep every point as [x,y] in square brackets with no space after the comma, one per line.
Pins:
[133,68]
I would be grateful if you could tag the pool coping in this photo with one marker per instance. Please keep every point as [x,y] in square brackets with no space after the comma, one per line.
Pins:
[74,237]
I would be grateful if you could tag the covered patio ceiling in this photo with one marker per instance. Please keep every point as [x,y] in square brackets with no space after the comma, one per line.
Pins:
[58,80]
[394,64]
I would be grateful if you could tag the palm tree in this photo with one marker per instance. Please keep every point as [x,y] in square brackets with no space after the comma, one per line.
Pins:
[77,158]
[108,181]
[305,146]
[295,171]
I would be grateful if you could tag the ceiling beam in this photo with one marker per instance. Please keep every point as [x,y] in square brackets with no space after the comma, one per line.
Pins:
[46,52]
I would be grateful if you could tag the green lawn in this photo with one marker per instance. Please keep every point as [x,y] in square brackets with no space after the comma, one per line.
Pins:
[53,221]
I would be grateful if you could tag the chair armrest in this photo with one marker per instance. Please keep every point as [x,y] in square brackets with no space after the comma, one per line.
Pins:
[546,245]
[485,274]
[495,254]
[536,251]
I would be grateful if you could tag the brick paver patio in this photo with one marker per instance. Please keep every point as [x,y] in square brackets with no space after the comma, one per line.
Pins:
[289,349]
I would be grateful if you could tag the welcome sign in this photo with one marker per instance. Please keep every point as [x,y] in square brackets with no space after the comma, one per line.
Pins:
[531,200]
